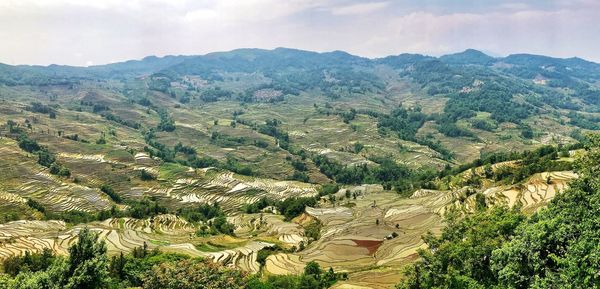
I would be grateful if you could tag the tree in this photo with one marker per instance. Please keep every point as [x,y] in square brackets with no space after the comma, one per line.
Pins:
[86,267]
[498,247]
[146,176]
[108,190]
[460,257]
[313,268]
[88,264]
[309,282]
[193,274]
[526,132]
[558,247]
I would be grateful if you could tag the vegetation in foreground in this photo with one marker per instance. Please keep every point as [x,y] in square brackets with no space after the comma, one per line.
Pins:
[88,266]
[499,247]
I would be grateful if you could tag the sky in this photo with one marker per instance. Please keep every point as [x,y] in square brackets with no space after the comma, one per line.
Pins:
[85,32]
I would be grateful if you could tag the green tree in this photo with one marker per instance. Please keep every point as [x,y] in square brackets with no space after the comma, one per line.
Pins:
[460,257]
[88,263]
[193,274]
[559,247]
[86,268]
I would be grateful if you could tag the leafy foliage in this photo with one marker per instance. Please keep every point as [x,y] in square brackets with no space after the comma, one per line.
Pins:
[108,190]
[86,267]
[45,158]
[193,274]
[313,278]
[500,248]
[405,122]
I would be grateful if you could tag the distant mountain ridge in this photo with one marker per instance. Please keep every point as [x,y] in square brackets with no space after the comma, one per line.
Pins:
[338,73]
[153,64]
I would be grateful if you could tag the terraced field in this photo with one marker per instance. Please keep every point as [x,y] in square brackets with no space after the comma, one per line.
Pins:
[372,237]
[230,190]
[168,232]
[358,235]
[175,182]
[242,133]
[353,237]
[23,178]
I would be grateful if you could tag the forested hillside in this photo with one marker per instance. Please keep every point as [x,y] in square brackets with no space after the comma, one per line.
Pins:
[499,247]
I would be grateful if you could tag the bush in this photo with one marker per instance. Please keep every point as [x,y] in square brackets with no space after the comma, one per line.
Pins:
[146,176]
[108,190]
[203,212]
[192,274]
[145,208]
[86,267]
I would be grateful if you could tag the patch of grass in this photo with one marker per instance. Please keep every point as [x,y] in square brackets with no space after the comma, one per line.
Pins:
[159,242]
[170,171]
[213,247]
[120,155]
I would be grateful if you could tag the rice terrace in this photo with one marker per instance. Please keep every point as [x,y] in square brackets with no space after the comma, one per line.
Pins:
[288,168]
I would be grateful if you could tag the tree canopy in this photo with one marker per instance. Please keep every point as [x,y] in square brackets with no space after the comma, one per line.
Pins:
[557,247]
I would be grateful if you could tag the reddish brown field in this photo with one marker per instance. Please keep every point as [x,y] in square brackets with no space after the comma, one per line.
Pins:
[371,245]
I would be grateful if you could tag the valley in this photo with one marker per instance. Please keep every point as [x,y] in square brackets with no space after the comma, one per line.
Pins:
[265,161]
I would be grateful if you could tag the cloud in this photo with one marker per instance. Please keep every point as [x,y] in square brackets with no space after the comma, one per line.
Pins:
[102,31]
[201,15]
[358,9]
[514,6]
[250,10]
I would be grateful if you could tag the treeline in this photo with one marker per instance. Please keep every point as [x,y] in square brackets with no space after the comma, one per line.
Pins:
[405,180]
[538,160]
[223,140]
[138,209]
[582,121]
[289,208]
[190,157]
[213,94]
[313,277]
[166,121]
[487,91]
[403,121]
[88,266]
[502,248]
[492,97]
[271,128]
[45,157]
[104,111]
[119,120]
[38,107]
[213,218]
[527,163]
[388,173]
[544,159]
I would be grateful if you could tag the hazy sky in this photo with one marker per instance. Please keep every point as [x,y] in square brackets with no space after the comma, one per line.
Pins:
[81,32]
